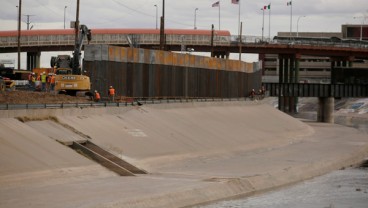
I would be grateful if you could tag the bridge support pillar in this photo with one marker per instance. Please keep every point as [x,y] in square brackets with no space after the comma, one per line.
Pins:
[288,73]
[326,109]
[33,60]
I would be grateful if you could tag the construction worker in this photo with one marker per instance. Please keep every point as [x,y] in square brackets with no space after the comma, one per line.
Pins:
[43,81]
[97,96]
[30,79]
[252,94]
[52,82]
[33,81]
[111,93]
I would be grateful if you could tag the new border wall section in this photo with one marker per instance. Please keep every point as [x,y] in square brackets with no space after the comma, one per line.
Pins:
[145,73]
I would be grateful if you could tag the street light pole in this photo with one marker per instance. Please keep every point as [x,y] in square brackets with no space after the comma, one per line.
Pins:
[195,18]
[64,15]
[290,3]
[361,25]
[297,26]
[156,14]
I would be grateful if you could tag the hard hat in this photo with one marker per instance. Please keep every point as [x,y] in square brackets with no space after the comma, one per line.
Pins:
[95,90]
[110,86]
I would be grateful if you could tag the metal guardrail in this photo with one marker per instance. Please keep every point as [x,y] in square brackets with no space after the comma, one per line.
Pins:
[135,102]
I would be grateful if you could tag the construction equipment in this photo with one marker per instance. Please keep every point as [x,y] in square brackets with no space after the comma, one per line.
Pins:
[2,84]
[6,84]
[69,78]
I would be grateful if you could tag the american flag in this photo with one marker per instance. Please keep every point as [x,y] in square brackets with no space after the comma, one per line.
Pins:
[216,4]
[235,1]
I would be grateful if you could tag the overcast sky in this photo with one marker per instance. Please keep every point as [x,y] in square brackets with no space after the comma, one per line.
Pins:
[320,15]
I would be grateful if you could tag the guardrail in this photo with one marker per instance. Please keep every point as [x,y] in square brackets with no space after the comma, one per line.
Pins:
[133,102]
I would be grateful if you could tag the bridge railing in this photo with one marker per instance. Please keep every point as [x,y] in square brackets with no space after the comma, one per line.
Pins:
[316,90]
[140,39]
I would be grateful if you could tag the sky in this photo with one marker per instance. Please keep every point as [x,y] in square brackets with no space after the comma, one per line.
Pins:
[307,15]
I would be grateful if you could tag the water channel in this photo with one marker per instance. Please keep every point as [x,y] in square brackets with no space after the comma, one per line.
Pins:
[346,188]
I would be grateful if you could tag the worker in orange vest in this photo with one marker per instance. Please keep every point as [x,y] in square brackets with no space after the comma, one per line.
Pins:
[97,96]
[111,93]
[52,82]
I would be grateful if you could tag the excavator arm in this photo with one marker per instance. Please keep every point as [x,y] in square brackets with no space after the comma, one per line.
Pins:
[83,32]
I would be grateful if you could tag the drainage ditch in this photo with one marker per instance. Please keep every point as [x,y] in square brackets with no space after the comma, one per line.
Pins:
[106,159]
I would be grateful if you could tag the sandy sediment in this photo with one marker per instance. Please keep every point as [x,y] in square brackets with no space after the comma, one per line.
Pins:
[194,153]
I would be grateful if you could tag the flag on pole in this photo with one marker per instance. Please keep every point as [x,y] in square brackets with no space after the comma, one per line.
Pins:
[288,3]
[267,7]
[235,1]
[216,4]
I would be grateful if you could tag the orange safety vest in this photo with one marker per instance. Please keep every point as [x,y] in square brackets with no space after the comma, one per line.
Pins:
[52,80]
[97,96]
[111,91]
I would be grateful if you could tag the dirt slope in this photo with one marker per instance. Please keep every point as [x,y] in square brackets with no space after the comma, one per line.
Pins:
[24,97]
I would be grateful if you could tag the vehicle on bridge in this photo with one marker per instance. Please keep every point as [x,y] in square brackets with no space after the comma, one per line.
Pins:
[69,78]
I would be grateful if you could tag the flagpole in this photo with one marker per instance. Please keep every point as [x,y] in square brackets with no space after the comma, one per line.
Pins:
[269,22]
[239,18]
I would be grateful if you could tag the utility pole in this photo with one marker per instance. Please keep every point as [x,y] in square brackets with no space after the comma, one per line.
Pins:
[162,27]
[76,24]
[28,22]
[19,23]
[240,41]
[212,35]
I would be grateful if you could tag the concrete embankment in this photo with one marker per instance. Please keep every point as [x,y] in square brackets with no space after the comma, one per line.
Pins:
[194,153]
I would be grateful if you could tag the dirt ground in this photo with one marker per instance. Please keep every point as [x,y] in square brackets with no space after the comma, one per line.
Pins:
[31,97]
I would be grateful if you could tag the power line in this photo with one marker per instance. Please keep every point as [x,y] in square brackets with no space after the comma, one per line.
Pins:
[137,11]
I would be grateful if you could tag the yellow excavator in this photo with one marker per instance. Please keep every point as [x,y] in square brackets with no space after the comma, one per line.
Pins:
[68,73]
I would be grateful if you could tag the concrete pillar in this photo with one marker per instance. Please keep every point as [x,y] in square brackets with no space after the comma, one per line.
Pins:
[291,102]
[33,60]
[326,107]
[281,80]
[286,80]
[296,79]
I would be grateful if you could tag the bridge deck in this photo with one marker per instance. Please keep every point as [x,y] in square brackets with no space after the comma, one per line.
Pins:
[316,90]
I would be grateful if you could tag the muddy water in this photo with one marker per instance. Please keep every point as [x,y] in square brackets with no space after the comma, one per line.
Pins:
[339,189]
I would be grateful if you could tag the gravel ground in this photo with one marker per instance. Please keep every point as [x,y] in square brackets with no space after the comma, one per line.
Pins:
[30,97]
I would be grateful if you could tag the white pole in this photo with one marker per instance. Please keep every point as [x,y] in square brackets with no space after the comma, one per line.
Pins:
[262,23]
[297,26]
[269,22]
[239,18]
[219,16]
[291,17]
[64,15]
[195,18]
[156,15]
